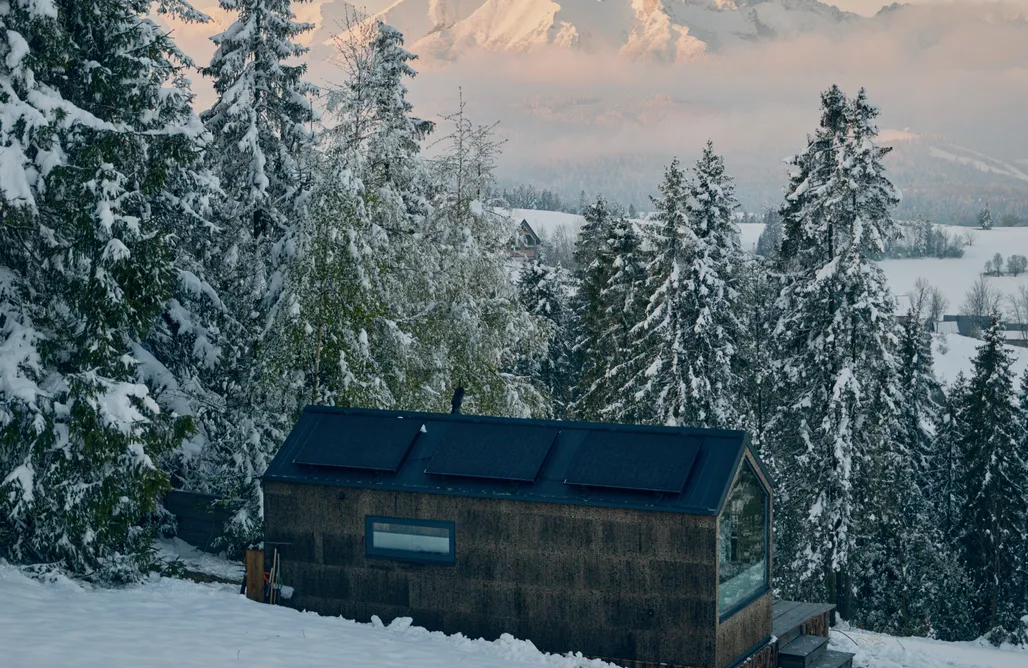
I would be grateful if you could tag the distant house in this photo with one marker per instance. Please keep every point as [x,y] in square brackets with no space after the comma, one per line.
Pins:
[1014,333]
[526,243]
[639,544]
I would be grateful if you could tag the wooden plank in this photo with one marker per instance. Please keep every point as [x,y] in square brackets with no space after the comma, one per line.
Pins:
[796,616]
[255,575]
[781,607]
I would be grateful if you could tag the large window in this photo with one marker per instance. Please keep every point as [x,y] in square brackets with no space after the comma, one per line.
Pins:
[408,539]
[743,539]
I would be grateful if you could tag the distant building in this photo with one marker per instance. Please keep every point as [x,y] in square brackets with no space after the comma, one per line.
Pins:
[1014,333]
[526,243]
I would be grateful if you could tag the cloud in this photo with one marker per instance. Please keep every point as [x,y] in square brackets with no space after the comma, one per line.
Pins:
[958,70]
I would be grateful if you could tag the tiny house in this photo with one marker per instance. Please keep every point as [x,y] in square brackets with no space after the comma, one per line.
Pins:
[622,542]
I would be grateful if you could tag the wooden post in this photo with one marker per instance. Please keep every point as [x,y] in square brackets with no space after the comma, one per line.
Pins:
[255,575]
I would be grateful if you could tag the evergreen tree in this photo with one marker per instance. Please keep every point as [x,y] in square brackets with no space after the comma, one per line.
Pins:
[908,578]
[595,268]
[688,341]
[101,173]
[985,220]
[546,293]
[994,468]
[771,236]
[620,303]
[260,125]
[836,339]
[759,286]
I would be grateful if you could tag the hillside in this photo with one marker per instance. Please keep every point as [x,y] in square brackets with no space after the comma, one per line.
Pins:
[168,623]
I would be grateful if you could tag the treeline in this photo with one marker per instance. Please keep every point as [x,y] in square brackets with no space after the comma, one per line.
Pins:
[903,505]
[175,288]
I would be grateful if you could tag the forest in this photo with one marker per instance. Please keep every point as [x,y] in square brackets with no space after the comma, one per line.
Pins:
[175,286]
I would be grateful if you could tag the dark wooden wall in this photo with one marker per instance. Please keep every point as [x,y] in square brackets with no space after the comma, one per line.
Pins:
[199,524]
[612,583]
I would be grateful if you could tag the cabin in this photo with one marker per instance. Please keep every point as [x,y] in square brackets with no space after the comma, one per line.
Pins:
[639,545]
[526,243]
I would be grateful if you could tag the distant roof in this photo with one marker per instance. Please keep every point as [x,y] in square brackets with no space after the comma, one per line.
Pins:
[673,469]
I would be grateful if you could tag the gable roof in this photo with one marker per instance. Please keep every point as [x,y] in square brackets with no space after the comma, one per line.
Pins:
[673,469]
[525,228]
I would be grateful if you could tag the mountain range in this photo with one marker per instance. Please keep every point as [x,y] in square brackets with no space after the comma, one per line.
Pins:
[659,30]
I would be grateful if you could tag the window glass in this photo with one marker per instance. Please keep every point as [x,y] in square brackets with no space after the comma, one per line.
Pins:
[409,539]
[743,543]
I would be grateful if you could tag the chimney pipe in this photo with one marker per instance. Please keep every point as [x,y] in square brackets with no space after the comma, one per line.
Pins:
[458,398]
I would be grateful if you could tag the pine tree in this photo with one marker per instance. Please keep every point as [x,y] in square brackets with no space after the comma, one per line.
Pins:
[101,166]
[908,579]
[985,220]
[619,306]
[260,125]
[688,342]
[771,236]
[595,268]
[836,339]
[757,395]
[546,293]
[994,468]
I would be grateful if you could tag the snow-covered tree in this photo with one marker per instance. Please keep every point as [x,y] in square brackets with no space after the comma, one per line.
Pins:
[759,286]
[261,133]
[473,327]
[836,342]
[992,521]
[595,267]
[688,341]
[618,268]
[546,292]
[771,236]
[100,179]
[985,218]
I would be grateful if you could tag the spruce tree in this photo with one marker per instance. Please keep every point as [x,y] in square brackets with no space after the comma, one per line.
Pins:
[546,293]
[908,579]
[619,306]
[595,268]
[687,345]
[101,174]
[985,221]
[994,468]
[260,125]
[836,338]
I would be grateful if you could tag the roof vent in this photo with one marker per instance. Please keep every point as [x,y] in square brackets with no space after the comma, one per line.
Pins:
[458,399]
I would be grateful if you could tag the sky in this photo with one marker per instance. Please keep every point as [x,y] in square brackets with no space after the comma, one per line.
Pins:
[943,68]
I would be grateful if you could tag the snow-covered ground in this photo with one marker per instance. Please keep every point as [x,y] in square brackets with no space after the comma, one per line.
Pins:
[179,624]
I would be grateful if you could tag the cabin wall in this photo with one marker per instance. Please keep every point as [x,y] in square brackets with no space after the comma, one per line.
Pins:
[738,634]
[607,582]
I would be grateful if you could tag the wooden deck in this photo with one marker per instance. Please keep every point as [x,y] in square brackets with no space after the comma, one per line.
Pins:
[791,619]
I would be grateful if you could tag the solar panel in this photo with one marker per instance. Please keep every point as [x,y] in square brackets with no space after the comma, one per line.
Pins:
[359,442]
[646,462]
[493,451]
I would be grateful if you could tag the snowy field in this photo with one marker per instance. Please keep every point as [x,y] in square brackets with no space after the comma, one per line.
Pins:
[168,623]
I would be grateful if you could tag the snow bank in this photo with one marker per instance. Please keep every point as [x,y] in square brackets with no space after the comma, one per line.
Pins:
[179,624]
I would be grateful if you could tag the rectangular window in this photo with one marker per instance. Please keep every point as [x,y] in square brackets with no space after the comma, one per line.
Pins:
[744,544]
[429,541]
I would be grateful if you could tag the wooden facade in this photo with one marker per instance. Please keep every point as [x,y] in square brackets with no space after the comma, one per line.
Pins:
[607,582]
[631,585]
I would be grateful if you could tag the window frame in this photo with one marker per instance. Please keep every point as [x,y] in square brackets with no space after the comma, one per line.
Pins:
[372,552]
[741,605]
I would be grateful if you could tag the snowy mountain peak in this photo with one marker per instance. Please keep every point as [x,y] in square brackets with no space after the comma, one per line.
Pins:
[657,30]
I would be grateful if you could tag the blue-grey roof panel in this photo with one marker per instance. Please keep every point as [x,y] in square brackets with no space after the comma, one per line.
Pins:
[373,442]
[646,462]
[502,453]
[470,449]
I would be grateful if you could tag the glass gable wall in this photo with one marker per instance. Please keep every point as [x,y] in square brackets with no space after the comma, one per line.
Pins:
[743,543]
